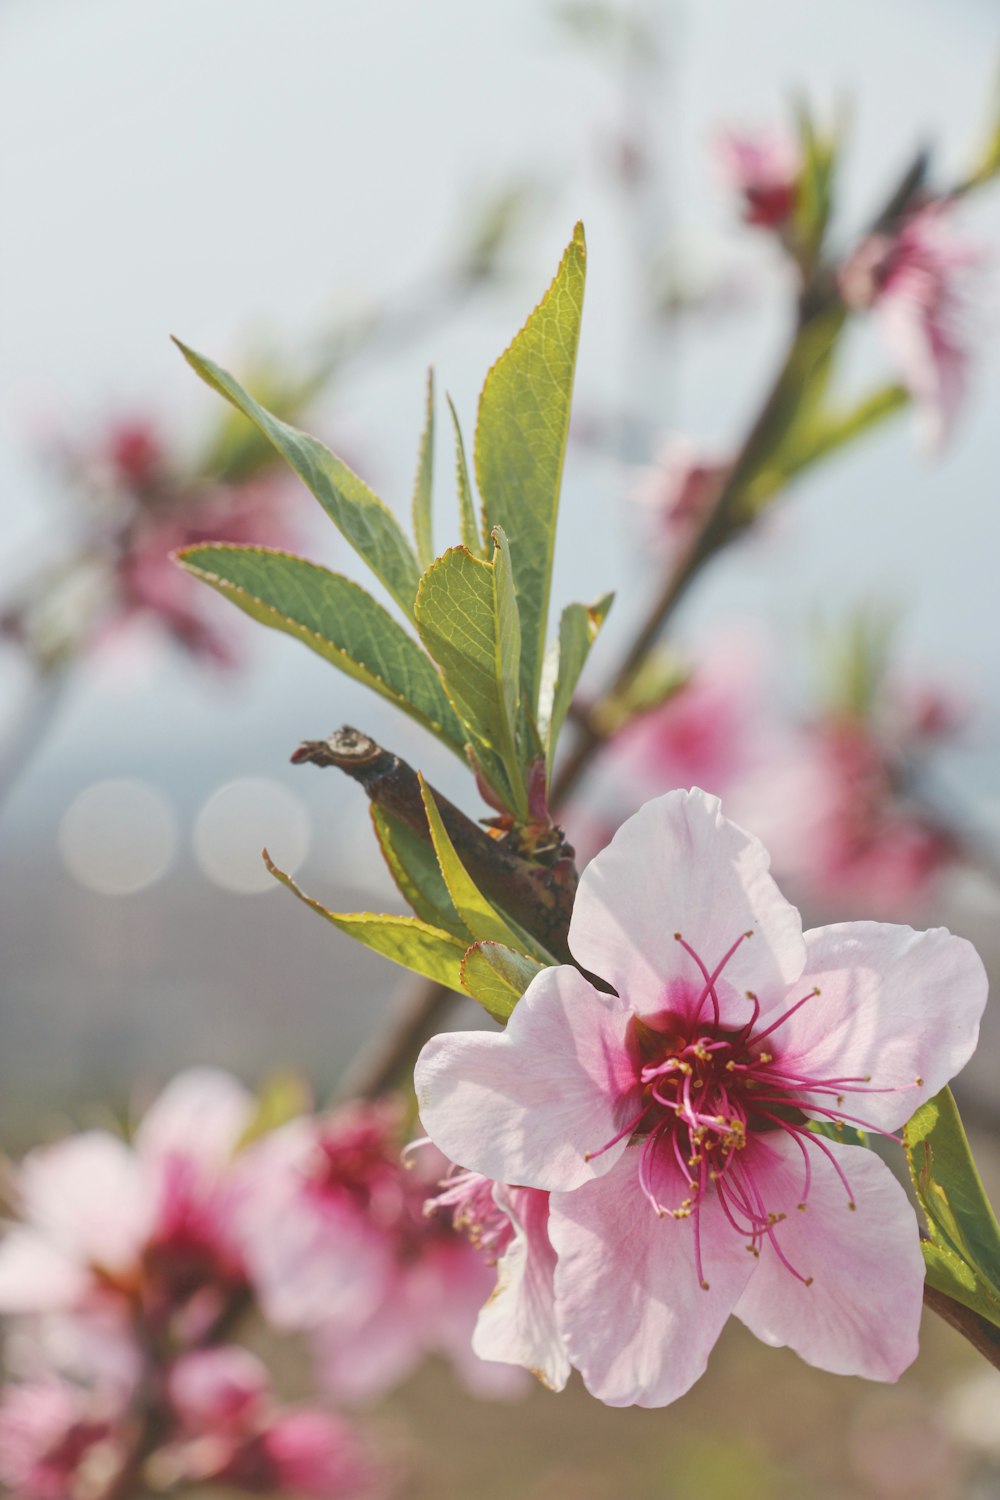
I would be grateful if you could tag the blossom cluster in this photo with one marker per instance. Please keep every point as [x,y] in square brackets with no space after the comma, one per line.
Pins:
[135,1264]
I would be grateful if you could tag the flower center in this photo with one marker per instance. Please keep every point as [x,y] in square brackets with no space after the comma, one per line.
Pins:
[707,1088]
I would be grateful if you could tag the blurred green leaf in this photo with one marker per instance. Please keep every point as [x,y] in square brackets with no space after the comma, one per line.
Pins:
[814,198]
[820,435]
[466,503]
[414,868]
[334,617]
[521,435]
[467,618]
[578,629]
[423,489]
[408,941]
[360,515]
[497,976]
[963,1258]
[282,1097]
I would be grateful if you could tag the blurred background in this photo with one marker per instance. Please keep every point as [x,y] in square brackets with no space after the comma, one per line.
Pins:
[362,191]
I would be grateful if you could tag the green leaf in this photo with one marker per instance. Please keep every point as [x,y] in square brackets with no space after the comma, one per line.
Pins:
[334,617]
[364,520]
[423,489]
[948,1273]
[959,1216]
[497,976]
[407,941]
[466,504]
[521,436]
[414,868]
[467,618]
[578,628]
[481,918]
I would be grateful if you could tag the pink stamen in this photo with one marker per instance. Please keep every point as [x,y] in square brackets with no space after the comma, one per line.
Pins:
[625,1130]
[782,1019]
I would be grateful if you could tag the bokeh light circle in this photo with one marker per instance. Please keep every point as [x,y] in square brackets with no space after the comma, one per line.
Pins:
[241,818]
[118,837]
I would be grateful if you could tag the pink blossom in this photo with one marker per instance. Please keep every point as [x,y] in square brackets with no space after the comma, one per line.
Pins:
[339,1245]
[919,283]
[670,1120]
[230,1430]
[149,579]
[517,1325]
[58,1441]
[678,491]
[839,828]
[764,170]
[106,1222]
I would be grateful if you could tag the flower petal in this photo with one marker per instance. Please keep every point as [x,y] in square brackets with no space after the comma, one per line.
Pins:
[895,1005]
[86,1195]
[201,1114]
[526,1106]
[679,866]
[634,1319]
[35,1277]
[861,1315]
[518,1324]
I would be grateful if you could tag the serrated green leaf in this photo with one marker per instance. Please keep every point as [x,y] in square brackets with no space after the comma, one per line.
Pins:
[334,617]
[578,628]
[950,1190]
[466,503]
[467,618]
[497,976]
[521,435]
[414,868]
[481,918]
[423,489]
[360,515]
[408,941]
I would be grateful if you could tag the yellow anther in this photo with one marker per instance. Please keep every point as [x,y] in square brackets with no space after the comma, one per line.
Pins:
[801,1207]
[765,1057]
[851,1205]
[919,1081]
[809,1281]
[704,1286]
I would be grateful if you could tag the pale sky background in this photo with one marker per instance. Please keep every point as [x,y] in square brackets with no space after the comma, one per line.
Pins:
[217,168]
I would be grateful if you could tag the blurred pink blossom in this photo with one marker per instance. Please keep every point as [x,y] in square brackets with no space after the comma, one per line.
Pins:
[59,1441]
[763,169]
[338,1244]
[231,1431]
[677,492]
[840,829]
[919,282]
[107,1223]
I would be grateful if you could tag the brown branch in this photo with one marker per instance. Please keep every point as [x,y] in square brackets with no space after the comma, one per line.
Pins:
[981,1334]
[537,893]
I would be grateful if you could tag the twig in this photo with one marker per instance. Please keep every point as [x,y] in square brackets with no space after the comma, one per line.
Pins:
[538,892]
[982,1335]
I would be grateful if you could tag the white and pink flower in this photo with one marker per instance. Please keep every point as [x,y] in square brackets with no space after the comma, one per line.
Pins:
[671,1120]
